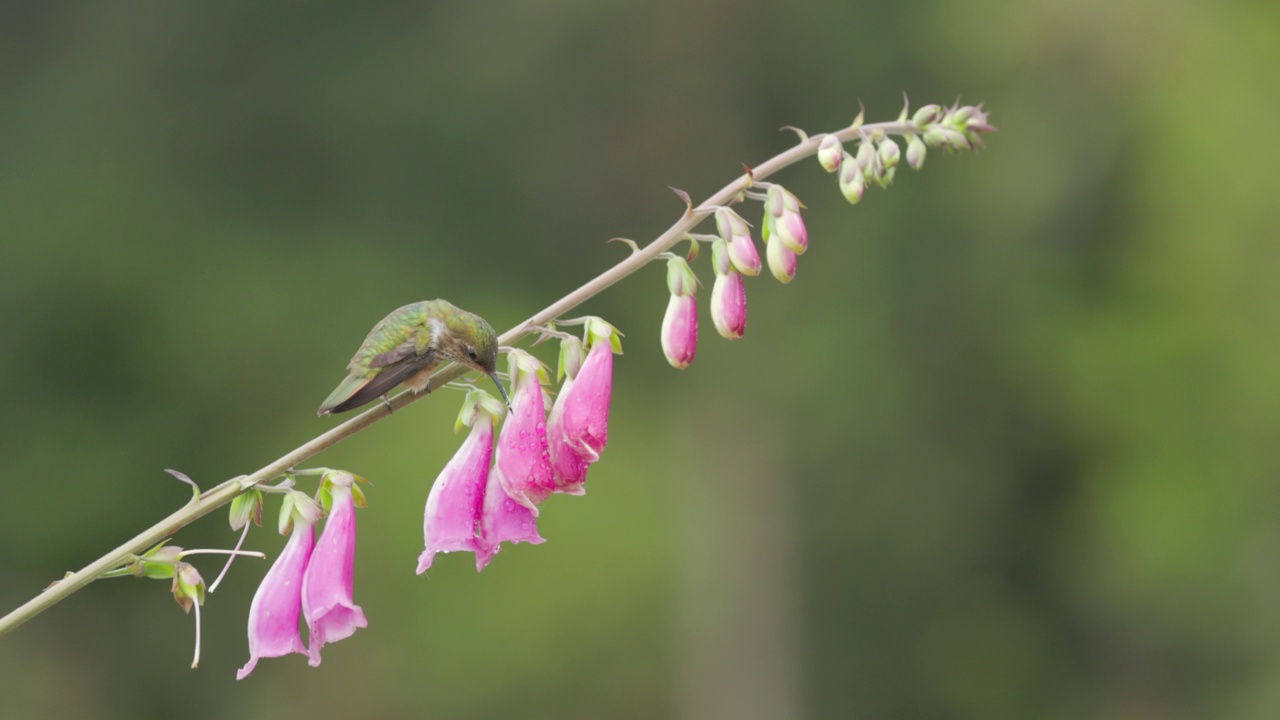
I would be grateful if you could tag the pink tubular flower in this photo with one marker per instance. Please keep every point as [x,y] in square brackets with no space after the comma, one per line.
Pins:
[568,466]
[728,295]
[277,605]
[782,216]
[578,428]
[503,520]
[680,324]
[742,251]
[451,521]
[523,457]
[327,604]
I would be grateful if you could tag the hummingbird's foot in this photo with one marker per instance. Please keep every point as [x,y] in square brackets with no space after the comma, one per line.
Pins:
[387,401]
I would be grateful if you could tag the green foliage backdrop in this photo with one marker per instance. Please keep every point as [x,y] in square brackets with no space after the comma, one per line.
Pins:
[1007,447]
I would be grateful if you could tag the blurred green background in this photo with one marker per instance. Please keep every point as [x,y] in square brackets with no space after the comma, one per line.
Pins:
[1008,447]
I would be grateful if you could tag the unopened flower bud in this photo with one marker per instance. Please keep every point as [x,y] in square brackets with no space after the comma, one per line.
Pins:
[830,153]
[889,153]
[961,116]
[852,182]
[915,152]
[927,115]
[680,330]
[786,225]
[729,305]
[571,357]
[782,262]
[866,158]
[742,251]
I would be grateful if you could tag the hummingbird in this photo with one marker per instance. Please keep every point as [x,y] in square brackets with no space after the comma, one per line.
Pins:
[407,345]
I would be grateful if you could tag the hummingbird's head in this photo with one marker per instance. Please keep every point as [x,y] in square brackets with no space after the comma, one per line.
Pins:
[472,342]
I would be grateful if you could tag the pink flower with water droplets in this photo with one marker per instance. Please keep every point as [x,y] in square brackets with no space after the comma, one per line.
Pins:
[452,517]
[502,519]
[327,601]
[578,428]
[277,605]
[523,456]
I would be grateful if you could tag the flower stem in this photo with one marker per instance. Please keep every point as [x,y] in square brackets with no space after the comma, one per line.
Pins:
[222,494]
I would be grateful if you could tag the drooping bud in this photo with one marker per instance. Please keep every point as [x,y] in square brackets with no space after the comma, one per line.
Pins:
[728,295]
[680,324]
[867,158]
[915,152]
[889,153]
[830,153]
[188,591]
[523,457]
[327,603]
[451,521]
[742,251]
[852,182]
[783,218]
[782,262]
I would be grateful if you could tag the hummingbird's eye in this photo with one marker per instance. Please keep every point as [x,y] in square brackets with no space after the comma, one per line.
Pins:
[471,354]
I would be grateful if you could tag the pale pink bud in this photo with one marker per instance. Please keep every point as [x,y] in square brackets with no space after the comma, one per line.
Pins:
[327,601]
[915,152]
[729,305]
[889,153]
[830,153]
[787,225]
[782,262]
[277,605]
[502,519]
[852,182]
[742,251]
[523,456]
[452,518]
[867,158]
[680,331]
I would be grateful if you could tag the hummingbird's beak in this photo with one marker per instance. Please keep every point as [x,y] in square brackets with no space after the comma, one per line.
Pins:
[501,389]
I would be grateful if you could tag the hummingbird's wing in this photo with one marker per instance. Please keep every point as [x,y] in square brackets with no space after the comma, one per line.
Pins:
[374,373]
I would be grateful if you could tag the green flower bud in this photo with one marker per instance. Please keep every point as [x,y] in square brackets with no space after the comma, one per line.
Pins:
[915,152]
[927,115]
[830,153]
[852,182]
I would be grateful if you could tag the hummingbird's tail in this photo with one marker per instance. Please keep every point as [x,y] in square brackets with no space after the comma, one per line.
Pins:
[358,389]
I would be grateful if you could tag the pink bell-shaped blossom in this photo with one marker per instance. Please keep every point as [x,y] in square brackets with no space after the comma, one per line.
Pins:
[736,232]
[728,295]
[503,519]
[782,219]
[277,605]
[680,324]
[578,427]
[451,521]
[568,465]
[327,601]
[523,457]
[586,415]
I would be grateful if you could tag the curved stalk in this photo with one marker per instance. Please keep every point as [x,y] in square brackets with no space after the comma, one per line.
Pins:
[222,494]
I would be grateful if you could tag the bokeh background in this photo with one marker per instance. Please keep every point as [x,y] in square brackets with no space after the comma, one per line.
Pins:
[1008,447]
